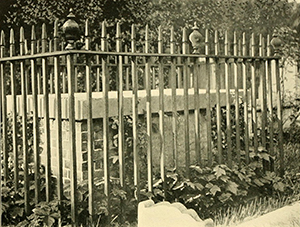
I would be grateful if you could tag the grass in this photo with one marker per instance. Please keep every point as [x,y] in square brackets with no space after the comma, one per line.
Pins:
[261,206]
[252,210]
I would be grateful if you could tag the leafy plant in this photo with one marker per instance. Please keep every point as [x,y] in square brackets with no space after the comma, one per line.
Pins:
[219,187]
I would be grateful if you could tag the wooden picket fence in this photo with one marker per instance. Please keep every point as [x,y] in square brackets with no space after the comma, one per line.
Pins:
[244,72]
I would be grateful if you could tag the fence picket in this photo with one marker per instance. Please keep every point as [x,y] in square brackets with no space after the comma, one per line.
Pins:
[121,146]
[135,101]
[47,145]
[186,75]
[90,128]
[39,68]
[236,78]
[174,103]
[24,124]
[72,135]
[179,69]
[270,99]
[253,95]
[36,139]
[218,101]
[279,117]
[245,98]
[97,69]
[208,99]
[148,111]
[161,109]
[227,71]
[126,61]
[196,78]
[105,88]
[51,82]
[14,109]
[58,112]
[4,109]
[262,93]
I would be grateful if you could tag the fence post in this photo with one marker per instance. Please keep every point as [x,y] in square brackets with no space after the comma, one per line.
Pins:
[71,32]
[276,44]
[195,38]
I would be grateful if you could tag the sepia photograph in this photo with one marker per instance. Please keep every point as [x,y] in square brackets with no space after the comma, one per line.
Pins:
[150,113]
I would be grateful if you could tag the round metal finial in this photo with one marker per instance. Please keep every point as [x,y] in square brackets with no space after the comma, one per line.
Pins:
[195,38]
[71,31]
[276,43]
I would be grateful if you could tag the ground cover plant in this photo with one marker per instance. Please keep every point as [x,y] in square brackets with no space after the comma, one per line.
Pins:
[237,189]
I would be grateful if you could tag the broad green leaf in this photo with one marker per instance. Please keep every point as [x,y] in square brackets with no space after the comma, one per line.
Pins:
[181,186]
[224,197]
[219,171]
[210,177]
[232,187]
[265,156]
[190,184]
[197,168]
[279,186]
[49,221]
[258,182]
[209,185]
[17,211]
[214,190]
[224,178]
[199,186]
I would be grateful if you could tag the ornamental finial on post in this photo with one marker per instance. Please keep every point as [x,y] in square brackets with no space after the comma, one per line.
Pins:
[71,31]
[195,38]
[276,43]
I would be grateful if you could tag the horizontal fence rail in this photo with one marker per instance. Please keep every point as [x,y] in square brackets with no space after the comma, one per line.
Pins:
[76,113]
